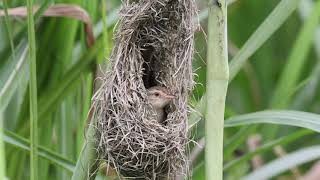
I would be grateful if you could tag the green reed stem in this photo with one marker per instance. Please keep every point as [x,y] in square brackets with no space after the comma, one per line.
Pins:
[33,94]
[217,84]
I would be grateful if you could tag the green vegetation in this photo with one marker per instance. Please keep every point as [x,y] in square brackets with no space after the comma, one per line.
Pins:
[217,84]
[49,65]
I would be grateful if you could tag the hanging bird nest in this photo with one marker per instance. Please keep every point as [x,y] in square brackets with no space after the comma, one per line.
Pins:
[153,47]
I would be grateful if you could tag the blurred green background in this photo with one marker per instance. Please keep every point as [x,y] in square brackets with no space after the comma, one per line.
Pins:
[283,73]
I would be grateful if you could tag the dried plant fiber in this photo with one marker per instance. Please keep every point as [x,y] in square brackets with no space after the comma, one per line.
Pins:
[153,47]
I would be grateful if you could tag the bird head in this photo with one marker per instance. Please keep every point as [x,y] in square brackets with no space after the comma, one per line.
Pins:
[159,97]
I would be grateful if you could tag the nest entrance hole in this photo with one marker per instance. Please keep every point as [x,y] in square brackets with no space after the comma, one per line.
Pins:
[149,73]
[150,70]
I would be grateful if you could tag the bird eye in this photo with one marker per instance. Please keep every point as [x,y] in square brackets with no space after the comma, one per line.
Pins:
[157,94]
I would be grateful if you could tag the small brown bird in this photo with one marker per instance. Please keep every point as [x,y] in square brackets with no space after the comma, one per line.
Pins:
[159,97]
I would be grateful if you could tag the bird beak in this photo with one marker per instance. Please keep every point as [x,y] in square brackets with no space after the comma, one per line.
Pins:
[169,96]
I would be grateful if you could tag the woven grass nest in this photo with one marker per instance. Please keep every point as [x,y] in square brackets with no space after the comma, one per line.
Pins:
[153,47]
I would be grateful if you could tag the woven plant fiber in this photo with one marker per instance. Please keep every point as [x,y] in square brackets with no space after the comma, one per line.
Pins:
[153,47]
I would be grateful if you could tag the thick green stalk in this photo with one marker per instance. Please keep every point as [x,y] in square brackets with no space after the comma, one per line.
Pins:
[217,84]
[33,95]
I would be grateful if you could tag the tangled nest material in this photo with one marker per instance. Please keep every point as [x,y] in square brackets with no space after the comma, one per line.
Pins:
[153,47]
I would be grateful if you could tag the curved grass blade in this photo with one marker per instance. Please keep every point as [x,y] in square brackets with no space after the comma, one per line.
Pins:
[293,69]
[290,118]
[22,143]
[309,92]
[272,23]
[21,34]
[61,10]
[285,163]
[12,74]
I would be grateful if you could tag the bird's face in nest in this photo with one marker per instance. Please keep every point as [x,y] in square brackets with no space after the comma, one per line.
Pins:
[159,97]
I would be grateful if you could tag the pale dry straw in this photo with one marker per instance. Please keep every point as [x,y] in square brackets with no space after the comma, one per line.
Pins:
[153,47]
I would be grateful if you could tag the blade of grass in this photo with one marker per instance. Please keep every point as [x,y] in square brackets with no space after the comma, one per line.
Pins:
[86,164]
[67,33]
[17,164]
[308,93]
[86,98]
[279,117]
[33,94]
[87,161]
[65,132]
[293,69]
[22,143]
[12,73]
[217,84]
[283,164]
[45,139]
[235,165]
[289,78]
[21,34]
[8,27]
[56,94]
[305,10]
[291,118]
[272,23]
[61,10]
[2,154]
[112,19]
